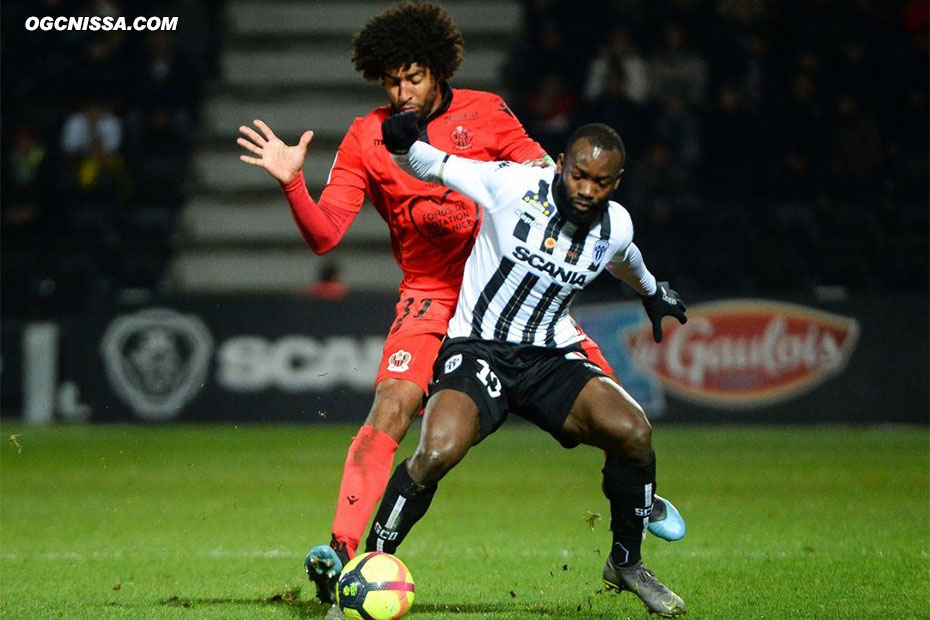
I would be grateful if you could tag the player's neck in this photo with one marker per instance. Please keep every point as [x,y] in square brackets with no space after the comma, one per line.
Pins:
[443,101]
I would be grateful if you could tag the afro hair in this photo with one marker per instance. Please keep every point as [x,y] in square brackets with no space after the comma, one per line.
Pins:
[411,32]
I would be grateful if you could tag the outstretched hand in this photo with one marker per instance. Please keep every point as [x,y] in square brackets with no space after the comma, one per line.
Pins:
[281,161]
[664,302]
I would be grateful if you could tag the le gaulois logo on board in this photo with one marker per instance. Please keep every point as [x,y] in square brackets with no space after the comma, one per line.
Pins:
[745,353]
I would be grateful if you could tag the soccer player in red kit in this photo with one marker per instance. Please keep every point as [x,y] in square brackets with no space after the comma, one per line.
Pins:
[413,49]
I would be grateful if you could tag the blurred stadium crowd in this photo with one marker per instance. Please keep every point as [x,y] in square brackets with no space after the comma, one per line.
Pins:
[773,145]
[97,135]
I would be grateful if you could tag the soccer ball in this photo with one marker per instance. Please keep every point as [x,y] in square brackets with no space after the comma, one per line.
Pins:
[375,586]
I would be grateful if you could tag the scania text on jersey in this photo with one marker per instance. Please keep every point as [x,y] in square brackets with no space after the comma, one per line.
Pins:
[538,262]
[297,363]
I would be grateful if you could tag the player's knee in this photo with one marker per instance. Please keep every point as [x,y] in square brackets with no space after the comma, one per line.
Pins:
[631,434]
[395,405]
[391,419]
[429,466]
[634,443]
[434,457]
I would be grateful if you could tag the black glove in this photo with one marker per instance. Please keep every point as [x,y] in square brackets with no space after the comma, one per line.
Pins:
[664,302]
[400,131]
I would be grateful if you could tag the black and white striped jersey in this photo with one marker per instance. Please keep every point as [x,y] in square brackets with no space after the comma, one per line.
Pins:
[528,262]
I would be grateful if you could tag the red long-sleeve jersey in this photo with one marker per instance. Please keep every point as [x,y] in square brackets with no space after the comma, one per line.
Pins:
[432,228]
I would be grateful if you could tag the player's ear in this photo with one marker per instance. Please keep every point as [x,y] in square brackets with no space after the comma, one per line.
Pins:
[558,163]
[617,182]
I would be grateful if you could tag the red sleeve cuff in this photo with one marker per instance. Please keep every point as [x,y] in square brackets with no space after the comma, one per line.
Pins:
[294,183]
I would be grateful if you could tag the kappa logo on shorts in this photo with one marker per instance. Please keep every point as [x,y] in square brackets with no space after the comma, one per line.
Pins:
[399,361]
[453,362]
[575,355]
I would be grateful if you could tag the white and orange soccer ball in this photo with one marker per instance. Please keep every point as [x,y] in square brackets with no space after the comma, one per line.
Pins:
[375,586]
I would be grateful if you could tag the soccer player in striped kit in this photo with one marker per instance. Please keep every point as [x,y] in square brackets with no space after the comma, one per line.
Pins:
[413,49]
[511,345]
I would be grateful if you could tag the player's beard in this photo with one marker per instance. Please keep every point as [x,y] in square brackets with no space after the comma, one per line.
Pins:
[423,113]
[564,204]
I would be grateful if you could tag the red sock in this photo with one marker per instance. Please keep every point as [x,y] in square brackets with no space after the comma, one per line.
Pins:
[364,478]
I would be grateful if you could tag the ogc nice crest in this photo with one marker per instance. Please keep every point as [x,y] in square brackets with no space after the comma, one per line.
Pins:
[156,360]
[399,361]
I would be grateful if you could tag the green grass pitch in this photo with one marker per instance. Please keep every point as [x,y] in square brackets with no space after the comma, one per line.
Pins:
[213,522]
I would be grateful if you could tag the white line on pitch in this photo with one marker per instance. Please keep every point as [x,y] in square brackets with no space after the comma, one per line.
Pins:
[117,555]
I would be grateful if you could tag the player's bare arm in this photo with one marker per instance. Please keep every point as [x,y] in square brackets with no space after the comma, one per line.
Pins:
[281,161]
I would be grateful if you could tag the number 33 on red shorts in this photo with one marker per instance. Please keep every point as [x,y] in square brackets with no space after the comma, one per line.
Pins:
[415,337]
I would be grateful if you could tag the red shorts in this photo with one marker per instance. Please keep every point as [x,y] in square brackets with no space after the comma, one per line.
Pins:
[594,352]
[415,337]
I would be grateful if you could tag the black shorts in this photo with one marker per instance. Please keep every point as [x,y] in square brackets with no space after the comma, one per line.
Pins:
[538,384]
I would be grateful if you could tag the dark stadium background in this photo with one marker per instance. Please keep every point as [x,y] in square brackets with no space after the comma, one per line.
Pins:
[777,150]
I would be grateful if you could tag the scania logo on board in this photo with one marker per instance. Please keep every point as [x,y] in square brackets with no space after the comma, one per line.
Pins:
[157,360]
[745,353]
